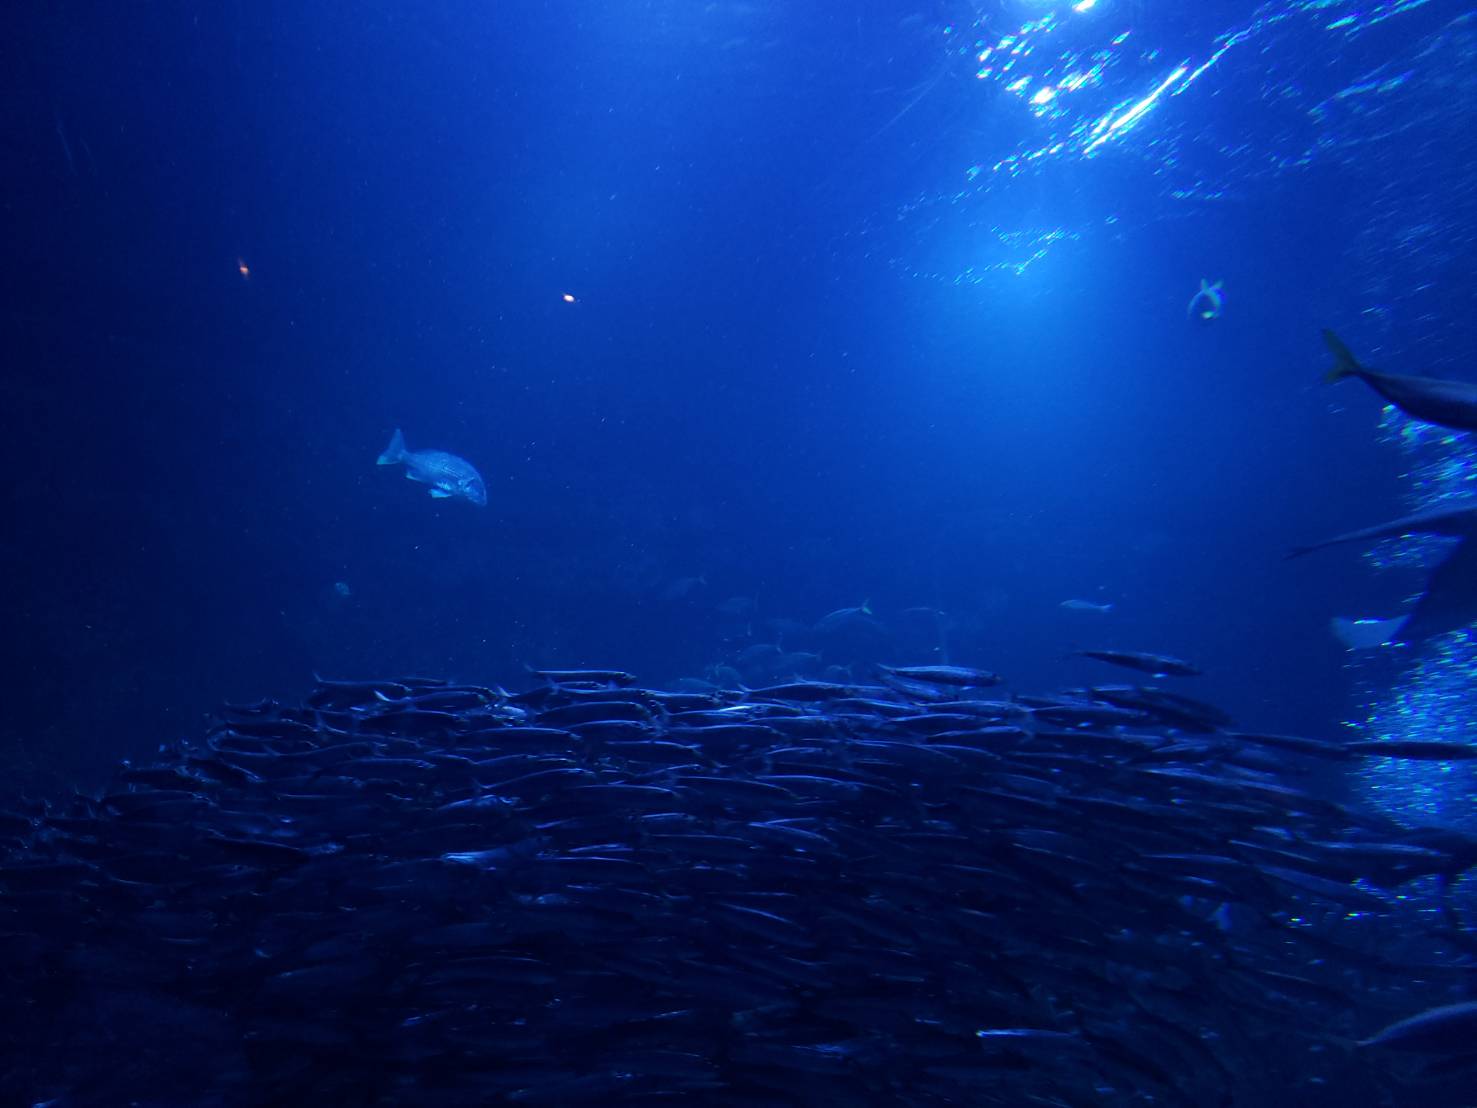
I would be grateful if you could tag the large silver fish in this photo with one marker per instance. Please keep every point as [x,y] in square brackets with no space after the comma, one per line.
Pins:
[447,474]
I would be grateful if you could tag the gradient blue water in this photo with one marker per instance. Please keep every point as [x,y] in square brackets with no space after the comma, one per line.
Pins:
[881,303]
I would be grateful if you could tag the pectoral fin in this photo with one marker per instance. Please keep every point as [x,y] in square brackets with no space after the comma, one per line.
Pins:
[439,494]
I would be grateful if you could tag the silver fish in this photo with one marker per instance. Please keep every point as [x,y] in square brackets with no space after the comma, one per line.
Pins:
[447,474]
[1085,606]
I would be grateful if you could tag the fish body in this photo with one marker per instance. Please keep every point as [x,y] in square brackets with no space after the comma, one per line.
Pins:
[963,677]
[1449,601]
[1455,520]
[1430,399]
[1207,305]
[846,620]
[1451,1029]
[1159,665]
[1085,606]
[447,474]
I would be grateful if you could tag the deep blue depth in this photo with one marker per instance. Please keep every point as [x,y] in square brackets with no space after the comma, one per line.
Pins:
[787,369]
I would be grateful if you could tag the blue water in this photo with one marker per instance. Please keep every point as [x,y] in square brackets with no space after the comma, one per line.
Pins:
[874,303]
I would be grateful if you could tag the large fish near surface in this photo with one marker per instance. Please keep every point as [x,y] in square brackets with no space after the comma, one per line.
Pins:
[1430,399]
[447,474]
[1450,597]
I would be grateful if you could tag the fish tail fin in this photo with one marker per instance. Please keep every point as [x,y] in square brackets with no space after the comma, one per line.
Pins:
[1366,634]
[395,452]
[1344,362]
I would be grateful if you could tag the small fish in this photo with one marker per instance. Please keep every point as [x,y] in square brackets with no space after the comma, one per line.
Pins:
[1430,399]
[1158,665]
[849,619]
[1207,305]
[1085,606]
[448,475]
[962,677]
[1447,1030]
[594,676]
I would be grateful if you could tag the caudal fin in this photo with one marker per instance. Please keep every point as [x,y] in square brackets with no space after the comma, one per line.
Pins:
[395,452]
[1366,634]
[1344,362]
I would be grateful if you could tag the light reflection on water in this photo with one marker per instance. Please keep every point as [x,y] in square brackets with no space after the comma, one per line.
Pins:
[1064,85]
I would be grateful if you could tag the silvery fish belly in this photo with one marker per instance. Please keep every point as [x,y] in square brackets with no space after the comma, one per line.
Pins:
[447,474]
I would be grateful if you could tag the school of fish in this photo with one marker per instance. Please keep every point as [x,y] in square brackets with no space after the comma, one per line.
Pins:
[907,892]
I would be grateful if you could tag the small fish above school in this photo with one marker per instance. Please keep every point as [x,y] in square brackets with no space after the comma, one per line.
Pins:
[1075,605]
[1207,305]
[1158,665]
[448,475]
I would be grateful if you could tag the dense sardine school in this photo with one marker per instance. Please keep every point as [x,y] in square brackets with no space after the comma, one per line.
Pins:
[407,892]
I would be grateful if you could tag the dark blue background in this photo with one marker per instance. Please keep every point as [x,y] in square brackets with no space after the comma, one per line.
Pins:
[754,384]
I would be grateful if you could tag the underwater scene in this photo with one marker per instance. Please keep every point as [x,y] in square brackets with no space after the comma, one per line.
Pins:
[739,553]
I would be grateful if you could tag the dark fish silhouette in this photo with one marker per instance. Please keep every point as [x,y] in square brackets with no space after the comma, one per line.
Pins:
[1446,403]
[1450,1029]
[1158,665]
[1449,601]
[1455,520]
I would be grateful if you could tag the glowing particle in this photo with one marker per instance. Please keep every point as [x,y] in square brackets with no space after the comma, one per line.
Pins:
[568,298]
[243,269]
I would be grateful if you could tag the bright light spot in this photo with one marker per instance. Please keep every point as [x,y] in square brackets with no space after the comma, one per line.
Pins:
[1084,5]
[568,298]
[1043,96]
[243,269]
[1128,118]
[1018,84]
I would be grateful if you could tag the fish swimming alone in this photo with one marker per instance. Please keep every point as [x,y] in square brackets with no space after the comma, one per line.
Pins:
[447,474]
[1085,606]
[1207,304]
[1430,399]
[1449,601]
[1157,665]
